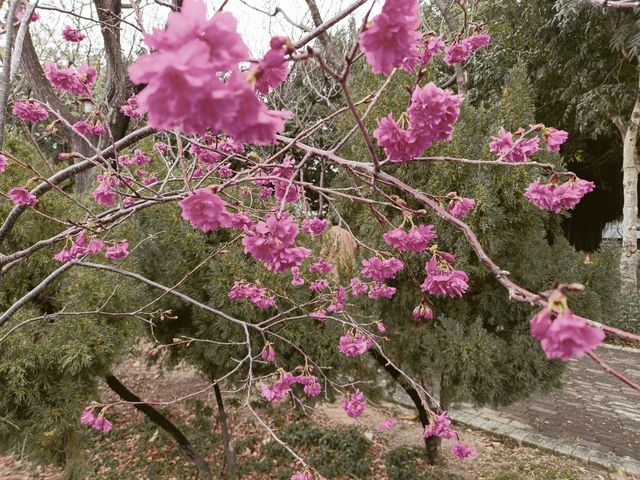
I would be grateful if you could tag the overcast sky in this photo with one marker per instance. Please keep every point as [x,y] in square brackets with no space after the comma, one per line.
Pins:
[256,27]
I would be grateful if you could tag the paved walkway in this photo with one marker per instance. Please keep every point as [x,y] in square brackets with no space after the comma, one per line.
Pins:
[593,410]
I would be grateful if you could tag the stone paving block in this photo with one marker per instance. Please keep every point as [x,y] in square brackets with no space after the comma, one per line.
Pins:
[582,453]
[564,448]
[518,435]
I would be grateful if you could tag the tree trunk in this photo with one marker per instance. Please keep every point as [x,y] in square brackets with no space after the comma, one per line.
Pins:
[431,444]
[629,257]
[163,422]
[229,454]
[324,38]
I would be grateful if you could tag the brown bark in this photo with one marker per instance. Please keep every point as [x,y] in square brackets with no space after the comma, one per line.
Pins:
[328,46]
[229,454]
[431,444]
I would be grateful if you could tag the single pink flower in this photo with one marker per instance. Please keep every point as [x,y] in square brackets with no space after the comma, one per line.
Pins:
[314,226]
[554,138]
[459,207]
[354,404]
[3,163]
[353,345]
[269,353]
[379,269]
[272,70]
[570,335]
[22,196]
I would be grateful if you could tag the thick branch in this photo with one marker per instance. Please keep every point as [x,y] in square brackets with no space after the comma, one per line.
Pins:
[5,80]
[616,4]
[163,422]
[324,38]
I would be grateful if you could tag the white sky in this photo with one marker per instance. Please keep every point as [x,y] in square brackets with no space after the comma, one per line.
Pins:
[255,27]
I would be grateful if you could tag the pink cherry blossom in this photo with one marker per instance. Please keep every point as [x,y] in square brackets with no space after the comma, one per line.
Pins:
[554,138]
[33,18]
[313,389]
[513,151]
[354,404]
[462,451]
[432,113]
[444,280]
[86,128]
[427,51]
[77,82]
[457,53]
[117,251]
[314,226]
[22,196]
[319,285]
[302,476]
[251,291]
[104,194]
[380,290]
[398,144]
[131,109]
[459,207]
[273,242]
[357,287]
[380,269]
[392,36]
[3,163]
[439,427]
[557,196]
[279,387]
[321,266]
[416,240]
[353,345]
[97,422]
[272,70]
[72,35]
[268,353]
[29,111]
[569,335]
[205,210]
[422,311]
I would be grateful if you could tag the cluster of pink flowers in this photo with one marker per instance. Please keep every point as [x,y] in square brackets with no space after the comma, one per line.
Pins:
[254,292]
[556,196]
[380,290]
[432,113]
[440,427]
[392,36]
[182,85]
[358,287]
[117,250]
[422,311]
[460,51]
[35,16]
[352,344]
[80,245]
[354,404]
[514,151]
[415,240]
[321,266]
[86,128]
[319,285]
[459,206]
[97,422]
[283,189]
[273,242]
[314,226]
[282,382]
[205,210]
[272,70]
[565,334]
[379,269]
[3,163]
[72,35]
[425,53]
[29,111]
[105,194]
[131,109]
[77,82]
[442,279]
[21,196]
